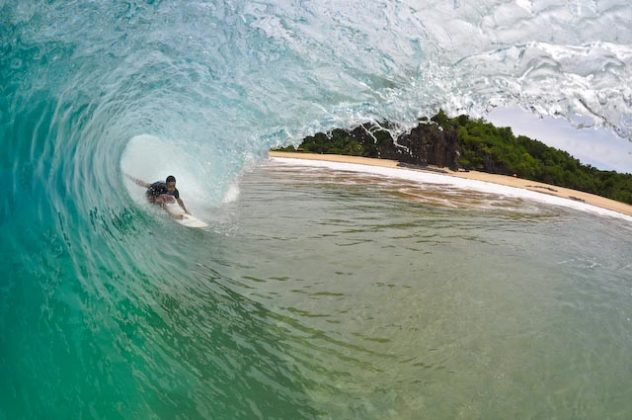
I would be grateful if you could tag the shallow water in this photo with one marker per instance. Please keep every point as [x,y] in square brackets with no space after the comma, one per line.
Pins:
[402,308]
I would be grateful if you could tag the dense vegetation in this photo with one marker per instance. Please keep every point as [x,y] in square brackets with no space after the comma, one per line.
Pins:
[484,147]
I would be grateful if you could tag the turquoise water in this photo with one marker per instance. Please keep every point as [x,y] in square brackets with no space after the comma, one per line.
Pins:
[324,294]
[311,295]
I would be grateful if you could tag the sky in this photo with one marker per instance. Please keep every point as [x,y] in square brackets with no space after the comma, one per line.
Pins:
[598,147]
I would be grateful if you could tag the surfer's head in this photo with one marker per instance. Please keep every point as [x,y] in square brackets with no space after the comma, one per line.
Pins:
[171,183]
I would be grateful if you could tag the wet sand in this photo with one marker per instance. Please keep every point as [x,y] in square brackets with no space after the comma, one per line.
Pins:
[515,182]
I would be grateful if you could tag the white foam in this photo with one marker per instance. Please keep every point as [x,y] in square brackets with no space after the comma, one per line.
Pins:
[471,184]
[232,194]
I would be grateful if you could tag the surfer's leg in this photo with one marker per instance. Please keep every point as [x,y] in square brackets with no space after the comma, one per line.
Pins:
[166,198]
[162,201]
[158,201]
[150,197]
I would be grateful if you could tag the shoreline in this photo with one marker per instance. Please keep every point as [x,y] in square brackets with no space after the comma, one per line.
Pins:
[508,181]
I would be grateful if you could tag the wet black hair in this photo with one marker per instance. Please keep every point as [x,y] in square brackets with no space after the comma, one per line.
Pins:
[171,178]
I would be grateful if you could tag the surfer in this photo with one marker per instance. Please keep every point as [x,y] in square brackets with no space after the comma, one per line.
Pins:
[162,193]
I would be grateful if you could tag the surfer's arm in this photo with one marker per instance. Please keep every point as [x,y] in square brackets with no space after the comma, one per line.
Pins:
[181,203]
[138,181]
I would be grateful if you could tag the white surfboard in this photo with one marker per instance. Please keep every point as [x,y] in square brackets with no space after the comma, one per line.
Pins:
[191,221]
[186,220]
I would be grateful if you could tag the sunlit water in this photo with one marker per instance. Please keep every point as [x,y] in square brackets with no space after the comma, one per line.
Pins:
[310,295]
[399,307]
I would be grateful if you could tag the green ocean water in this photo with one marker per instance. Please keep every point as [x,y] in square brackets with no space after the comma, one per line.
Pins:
[321,294]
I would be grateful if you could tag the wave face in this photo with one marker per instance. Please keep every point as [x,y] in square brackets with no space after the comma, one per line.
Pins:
[199,89]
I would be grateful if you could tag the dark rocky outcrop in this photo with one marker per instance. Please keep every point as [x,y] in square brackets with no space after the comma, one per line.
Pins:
[426,144]
[432,145]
